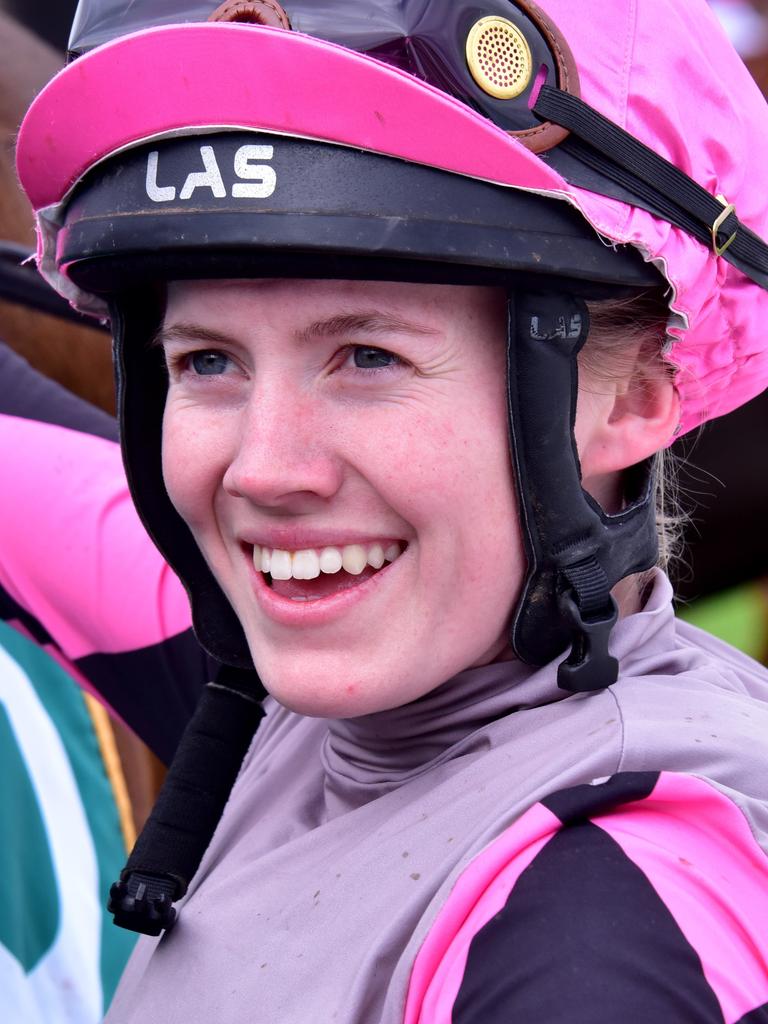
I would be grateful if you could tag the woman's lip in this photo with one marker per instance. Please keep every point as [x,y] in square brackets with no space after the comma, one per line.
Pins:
[317,612]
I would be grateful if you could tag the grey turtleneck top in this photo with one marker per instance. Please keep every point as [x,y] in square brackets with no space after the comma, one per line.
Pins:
[353,857]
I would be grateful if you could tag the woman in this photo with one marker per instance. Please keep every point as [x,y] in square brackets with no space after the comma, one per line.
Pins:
[478,793]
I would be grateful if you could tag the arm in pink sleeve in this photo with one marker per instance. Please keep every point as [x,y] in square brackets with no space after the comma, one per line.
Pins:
[74,553]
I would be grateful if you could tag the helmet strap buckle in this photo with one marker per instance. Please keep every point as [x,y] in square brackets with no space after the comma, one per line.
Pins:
[589,666]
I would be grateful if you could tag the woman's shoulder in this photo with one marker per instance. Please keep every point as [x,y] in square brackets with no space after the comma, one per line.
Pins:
[733,667]
[645,889]
[655,643]
[698,706]
[688,702]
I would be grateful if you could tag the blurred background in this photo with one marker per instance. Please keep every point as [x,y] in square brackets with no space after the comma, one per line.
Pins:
[49,19]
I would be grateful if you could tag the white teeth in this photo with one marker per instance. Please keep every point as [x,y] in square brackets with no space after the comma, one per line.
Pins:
[308,563]
[261,558]
[281,568]
[330,560]
[354,559]
[376,556]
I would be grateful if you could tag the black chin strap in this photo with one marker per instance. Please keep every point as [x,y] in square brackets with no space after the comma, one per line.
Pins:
[576,552]
[178,831]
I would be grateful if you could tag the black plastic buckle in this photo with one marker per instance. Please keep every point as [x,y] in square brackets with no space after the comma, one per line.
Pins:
[589,666]
[143,903]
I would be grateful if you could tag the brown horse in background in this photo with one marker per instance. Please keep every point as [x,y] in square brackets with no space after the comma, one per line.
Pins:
[76,356]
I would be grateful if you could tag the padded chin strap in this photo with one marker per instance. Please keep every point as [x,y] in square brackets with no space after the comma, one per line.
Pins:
[177,833]
[576,552]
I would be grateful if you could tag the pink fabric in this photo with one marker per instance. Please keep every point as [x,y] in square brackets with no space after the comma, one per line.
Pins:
[663,69]
[696,848]
[95,581]
[479,893]
[304,87]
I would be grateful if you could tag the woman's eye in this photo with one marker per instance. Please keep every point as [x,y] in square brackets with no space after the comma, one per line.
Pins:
[208,363]
[373,358]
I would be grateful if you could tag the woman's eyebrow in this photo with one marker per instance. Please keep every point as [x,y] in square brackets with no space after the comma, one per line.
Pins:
[190,332]
[372,323]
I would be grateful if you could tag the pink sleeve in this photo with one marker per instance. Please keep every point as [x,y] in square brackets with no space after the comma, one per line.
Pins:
[73,552]
[689,841]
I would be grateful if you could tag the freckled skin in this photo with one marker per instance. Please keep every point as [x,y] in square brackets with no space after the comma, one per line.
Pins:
[293,433]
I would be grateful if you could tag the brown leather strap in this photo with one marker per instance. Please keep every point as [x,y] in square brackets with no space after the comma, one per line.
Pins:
[548,135]
[254,12]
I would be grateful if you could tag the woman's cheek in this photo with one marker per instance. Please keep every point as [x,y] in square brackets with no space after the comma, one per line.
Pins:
[188,469]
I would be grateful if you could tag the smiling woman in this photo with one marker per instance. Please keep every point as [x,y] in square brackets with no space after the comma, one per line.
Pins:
[318,456]
[400,336]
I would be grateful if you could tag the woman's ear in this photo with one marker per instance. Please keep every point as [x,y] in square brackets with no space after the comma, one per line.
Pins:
[621,421]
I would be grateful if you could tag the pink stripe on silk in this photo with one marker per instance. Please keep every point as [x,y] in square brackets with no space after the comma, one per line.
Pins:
[74,552]
[696,848]
[231,75]
[479,893]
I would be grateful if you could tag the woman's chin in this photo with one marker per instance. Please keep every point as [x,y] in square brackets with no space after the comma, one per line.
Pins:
[320,699]
[335,691]
[344,681]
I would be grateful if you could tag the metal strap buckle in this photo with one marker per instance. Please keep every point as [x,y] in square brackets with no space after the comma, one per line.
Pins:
[719,221]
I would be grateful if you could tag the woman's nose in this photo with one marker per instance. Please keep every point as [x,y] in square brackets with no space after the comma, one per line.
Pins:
[285,455]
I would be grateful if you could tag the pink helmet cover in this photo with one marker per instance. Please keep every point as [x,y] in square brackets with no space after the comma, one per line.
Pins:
[661,69]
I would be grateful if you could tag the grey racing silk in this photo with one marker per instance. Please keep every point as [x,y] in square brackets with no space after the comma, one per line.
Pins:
[342,840]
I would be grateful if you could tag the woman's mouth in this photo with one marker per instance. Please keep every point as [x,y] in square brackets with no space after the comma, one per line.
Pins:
[315,573]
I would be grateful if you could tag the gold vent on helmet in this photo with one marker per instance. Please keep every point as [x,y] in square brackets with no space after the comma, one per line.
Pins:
[499,57]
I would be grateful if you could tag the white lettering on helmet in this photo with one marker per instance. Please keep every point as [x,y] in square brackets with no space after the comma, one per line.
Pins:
[209,178]
[261,178]
[262,175]
[563,329]
[157,193]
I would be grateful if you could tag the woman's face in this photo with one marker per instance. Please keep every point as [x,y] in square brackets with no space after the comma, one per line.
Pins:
[348,421]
